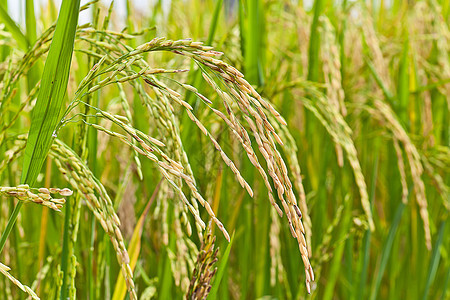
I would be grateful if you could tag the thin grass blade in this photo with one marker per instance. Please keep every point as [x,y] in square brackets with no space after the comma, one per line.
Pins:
[387,250]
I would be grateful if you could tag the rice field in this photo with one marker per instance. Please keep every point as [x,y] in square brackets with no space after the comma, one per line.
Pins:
[225,149]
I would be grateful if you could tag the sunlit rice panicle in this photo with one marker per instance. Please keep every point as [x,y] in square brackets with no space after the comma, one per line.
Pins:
[442,31]
[290,150]
[254,108]
[239,94]
[5,271]
[372,42]
[401,168]
[332,74]
[332,66]
[235,76]
[341,133]
[387,116]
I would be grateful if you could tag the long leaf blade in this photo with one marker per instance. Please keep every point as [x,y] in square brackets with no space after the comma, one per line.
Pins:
[50,100]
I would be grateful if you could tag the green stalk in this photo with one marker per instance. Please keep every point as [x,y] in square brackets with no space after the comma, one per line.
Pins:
[314,43]
[377,78]
[261,242]
[314,133]
[30,20]
[254,43]
[10,225]
[364,261]
[90,266]
[445,285]
[92,163]
[166,286]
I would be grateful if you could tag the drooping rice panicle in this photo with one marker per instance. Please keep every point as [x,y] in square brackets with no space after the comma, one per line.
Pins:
[5,271]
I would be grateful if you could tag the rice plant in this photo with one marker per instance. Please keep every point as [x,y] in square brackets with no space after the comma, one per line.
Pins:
[225,150]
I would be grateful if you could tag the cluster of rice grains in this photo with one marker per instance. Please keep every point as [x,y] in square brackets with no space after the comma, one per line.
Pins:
[239,97]
[241,103]
[82,179]
[40,196]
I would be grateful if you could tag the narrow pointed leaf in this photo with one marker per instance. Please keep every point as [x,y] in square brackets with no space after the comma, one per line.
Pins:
[50,101]
[220,270]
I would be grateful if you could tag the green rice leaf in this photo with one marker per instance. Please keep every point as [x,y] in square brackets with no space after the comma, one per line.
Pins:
[50,101]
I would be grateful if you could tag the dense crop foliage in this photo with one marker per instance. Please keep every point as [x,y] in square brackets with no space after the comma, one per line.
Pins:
[225,149]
